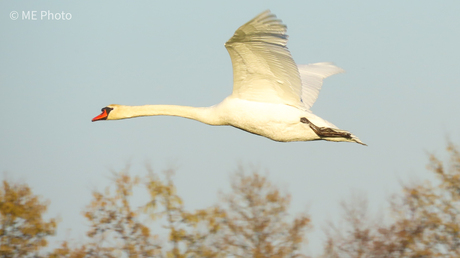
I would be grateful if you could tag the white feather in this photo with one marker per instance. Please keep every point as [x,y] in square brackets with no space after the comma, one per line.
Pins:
[312,76]
[263,69]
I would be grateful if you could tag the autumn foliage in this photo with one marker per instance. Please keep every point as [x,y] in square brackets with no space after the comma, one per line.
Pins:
[425,220]
[251,220]
[23,231]
[256,223]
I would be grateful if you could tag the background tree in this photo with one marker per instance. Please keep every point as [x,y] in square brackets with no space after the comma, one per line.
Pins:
[251,221]
[116,229]
[115,226]
[426,220]
[257,223]
[191,234]
[23,231]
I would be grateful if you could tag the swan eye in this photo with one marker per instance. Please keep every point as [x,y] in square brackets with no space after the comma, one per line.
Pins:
[107,109]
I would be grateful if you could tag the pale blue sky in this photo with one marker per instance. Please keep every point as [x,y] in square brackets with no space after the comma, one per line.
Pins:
[399,95]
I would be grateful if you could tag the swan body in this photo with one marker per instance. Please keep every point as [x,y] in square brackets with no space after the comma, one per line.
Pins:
[272,96]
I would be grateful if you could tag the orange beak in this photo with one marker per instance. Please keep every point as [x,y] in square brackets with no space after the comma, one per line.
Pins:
[102,116]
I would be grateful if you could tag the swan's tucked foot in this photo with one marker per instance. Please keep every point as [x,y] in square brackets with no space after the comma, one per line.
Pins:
[331,132]
[326,131]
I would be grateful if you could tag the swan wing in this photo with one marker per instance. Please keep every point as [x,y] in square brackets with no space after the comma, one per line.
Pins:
[263,69]
[312,76]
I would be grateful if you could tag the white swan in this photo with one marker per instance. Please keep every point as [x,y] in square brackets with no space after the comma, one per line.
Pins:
[271,95]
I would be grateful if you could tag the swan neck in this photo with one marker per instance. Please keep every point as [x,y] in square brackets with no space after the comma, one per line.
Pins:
[206,115]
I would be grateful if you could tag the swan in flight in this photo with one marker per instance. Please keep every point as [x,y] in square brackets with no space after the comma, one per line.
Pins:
[271,97]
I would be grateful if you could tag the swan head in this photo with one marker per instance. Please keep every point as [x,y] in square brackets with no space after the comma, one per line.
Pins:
[108,113]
